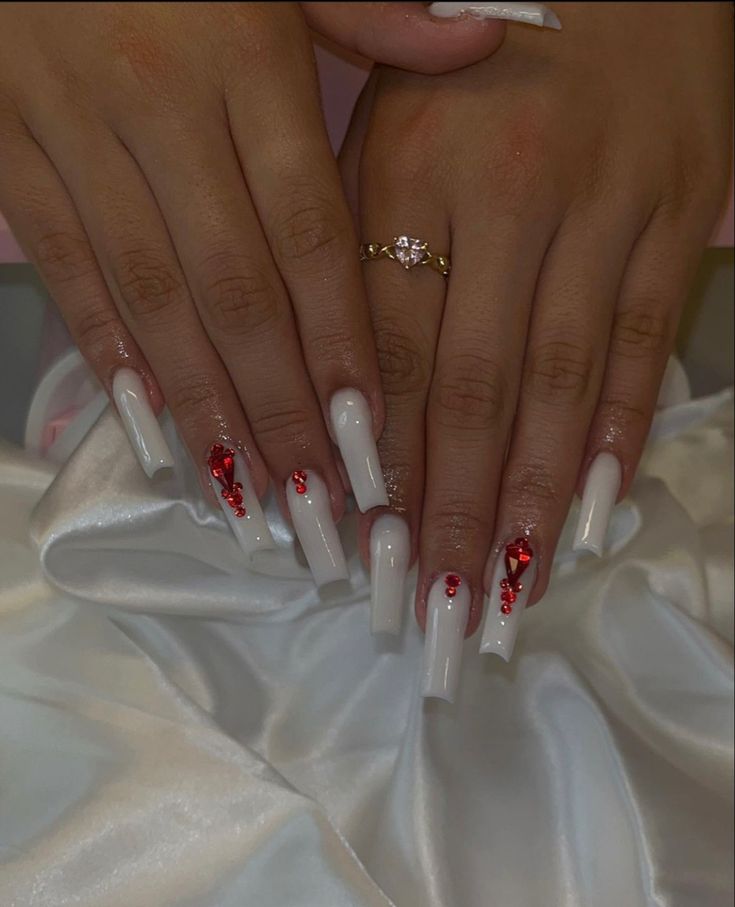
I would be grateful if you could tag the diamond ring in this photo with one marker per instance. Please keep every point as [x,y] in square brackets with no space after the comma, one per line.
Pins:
[407,251]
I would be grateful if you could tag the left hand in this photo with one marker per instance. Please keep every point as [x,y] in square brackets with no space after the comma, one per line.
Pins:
[576,177]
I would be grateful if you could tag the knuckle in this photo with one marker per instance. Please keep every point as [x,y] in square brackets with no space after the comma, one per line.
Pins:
[242,303]
[283,422]
[64,256]
[308,229]
[403,368]
[532,480]
[148,286]
[642,329]
[471,395]
[559,373]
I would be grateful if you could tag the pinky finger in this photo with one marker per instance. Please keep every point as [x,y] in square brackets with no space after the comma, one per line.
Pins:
[46,224]
[659,273]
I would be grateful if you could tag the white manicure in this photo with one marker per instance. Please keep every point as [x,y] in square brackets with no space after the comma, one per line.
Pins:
[390,553]
[500,630]
[311,512]
[139,420]
[352,424]
[530,13]
[600,493]
[446,622]
[242,511]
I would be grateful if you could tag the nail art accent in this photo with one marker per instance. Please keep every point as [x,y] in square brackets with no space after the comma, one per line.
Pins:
[140,422]
[229,477]
[352,424]
[447,613]
[508,598]
[390,553]
[530,13]
[600,494]
[311,512]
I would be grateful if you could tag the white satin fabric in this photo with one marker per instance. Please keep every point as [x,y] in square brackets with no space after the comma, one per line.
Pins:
[178,732]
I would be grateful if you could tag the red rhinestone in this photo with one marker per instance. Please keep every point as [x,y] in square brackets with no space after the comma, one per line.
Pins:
[508,596]
[450,591]
[506,609]
[301,489]
[504,584]
[451,579]
[299,476]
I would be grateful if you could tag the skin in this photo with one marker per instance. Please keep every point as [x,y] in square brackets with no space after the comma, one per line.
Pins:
[576,177]
[166,167]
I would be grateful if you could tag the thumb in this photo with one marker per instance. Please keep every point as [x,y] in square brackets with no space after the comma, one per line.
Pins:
[407,35]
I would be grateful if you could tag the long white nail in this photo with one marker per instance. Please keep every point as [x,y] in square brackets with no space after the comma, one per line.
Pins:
[511,585]
[600,493]
[390,553]
[141,425]
[311,512]
[447,613]
[352,424]
[230,479]
[530,13]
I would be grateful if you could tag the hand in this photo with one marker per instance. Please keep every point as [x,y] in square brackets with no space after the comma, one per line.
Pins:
[167,169]
[576,176]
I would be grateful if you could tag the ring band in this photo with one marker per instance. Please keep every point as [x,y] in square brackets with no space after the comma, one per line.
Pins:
[407,251]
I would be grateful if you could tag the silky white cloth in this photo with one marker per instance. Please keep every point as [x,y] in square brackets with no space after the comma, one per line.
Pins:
[178,732]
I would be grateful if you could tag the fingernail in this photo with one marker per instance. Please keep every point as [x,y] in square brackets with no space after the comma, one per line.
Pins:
[390,553]
[600,493]
[230,479]
[311,512]
[140,422]
[530,13]
[352,424]
[447,612]
[508,598]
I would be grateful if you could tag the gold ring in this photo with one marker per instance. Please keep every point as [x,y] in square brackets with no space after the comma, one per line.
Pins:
[407,251]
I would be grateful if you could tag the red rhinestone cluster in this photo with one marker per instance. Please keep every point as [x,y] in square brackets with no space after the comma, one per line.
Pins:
[221,463]
[518,555]
[452,582]
[298,477]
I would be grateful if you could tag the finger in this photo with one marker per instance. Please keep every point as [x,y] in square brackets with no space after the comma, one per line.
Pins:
[406,35]
[658,275]
[562,375]
[297,192]
[470,412]
[45,221]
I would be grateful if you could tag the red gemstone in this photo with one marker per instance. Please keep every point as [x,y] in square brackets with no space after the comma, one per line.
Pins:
[221,463]
[506,609]
[299,476]
[451,579]
[450,591]
[518,556]
[301,489]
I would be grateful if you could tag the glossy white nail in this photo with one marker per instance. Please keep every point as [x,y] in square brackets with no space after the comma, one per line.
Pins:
[229,477]
[140,422]
[502,618]
[311,512]
[447,613]
[530,13]
[352,424]
[390,553]
[600,493]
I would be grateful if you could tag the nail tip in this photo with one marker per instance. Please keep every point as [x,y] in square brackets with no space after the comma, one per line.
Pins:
[591,547]
[492,649]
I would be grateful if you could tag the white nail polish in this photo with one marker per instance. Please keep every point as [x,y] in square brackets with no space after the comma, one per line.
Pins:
[510,588]
[390,553]
[352,423]
[447,613]
[600,493]
[530,13]
[229,477]
[140,422]
[311,512]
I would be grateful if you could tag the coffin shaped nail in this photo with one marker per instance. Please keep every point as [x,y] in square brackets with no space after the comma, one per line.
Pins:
[600,493]
[530,13]
[311,512]
[512,582]
[229,477]
[352,424]
[447,613]
[140,422]
[390,553]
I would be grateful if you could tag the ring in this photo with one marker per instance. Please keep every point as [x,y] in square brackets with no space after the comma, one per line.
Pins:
[407,251]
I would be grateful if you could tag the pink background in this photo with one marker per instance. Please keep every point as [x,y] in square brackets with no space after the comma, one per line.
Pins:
[341,84]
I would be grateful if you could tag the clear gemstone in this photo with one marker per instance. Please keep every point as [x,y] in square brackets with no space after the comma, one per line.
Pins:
[409,251]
